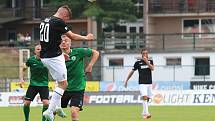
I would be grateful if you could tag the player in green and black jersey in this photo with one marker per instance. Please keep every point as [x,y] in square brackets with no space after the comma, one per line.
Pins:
[38,82]
[75,63]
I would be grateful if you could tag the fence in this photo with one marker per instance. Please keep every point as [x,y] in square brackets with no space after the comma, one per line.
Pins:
[163,73]
[119,74]
[112,41]
[157,42]
[181,6]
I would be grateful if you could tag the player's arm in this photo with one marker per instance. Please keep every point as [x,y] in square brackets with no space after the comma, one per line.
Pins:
[62,27]
[128,77]
[23,69]
[78,37]
[94,58]
[151,65]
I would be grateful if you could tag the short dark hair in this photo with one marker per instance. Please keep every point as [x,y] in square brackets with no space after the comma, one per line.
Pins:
[67,8]
[144,49]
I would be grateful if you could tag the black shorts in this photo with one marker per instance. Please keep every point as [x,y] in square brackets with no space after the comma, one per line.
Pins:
[75,98]
[34,90]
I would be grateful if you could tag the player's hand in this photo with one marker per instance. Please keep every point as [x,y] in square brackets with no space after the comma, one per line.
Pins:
[22,83]
[90,37]
[145,59]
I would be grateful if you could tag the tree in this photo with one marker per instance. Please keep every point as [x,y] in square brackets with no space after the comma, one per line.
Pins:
[106,11]
[109,12]
[77,6]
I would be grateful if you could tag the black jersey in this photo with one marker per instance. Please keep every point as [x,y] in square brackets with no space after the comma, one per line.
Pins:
[145,74]
[51,30]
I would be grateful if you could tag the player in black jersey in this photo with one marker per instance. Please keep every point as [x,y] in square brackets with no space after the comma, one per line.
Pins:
[144,67]
[51,55]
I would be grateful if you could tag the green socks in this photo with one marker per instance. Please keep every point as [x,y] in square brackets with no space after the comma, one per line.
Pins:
[44,109]
[26,110]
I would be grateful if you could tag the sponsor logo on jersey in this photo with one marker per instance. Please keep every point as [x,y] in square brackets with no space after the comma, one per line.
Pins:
[73,58]
[144,66]
[47,19]
[66,28]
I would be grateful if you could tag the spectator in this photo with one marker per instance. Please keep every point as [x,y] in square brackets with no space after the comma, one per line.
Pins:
[20,39]
[27,39]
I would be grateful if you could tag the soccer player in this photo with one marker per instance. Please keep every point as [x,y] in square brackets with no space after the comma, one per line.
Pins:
[51,55]
[144,67]
[75,61]
[38,82]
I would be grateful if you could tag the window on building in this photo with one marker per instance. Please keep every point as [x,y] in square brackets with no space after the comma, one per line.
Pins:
[36,8]
[18,3]
[120,29]
[36,35]
[202,66]
[11,34]
[120,36]
[133,37]
[208,26]
[141,29]
[138,8]
[141,35]
[173,61]
[132,29]
[190,26]
[116,62]
[12,3]
[204,26]
[46,1]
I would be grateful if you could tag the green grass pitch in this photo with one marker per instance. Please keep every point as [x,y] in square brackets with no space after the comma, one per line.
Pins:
[120,113]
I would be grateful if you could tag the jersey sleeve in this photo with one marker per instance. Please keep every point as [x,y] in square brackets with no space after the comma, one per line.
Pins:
[135,67]
[62,27]
[85,52]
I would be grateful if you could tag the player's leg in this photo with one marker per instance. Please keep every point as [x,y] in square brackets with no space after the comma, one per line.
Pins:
[144,95]
[149,96]
[64,102]
[45,107]
[75,113]
[30,94]
[26,109]
[44,95]
[76,105]
[57,69]
[56,97]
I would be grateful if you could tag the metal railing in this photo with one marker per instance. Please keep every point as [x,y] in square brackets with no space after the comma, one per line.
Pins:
[133,41]
[158,42]
[173,73]
[181,6]
[27,12]
[162,73]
